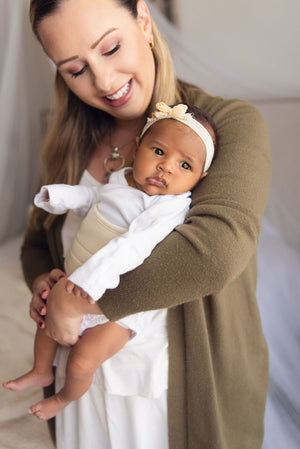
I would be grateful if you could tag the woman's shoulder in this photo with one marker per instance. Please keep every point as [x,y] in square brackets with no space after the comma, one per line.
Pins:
[234,118]
[216,105]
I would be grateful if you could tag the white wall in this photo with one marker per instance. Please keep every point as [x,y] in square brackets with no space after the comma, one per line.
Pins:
[283,208]
[257,40]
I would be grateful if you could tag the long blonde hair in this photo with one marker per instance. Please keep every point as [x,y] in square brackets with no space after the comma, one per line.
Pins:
[76,128]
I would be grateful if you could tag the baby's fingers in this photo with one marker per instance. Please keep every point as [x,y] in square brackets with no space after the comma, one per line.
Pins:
[70,287]
[79,292]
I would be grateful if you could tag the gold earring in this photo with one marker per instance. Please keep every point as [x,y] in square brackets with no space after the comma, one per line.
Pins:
[151,43]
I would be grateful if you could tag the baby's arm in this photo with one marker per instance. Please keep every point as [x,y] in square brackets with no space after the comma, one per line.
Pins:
[59,198]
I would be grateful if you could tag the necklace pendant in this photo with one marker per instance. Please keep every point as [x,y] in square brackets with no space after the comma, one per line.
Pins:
[115,154]
[109,161]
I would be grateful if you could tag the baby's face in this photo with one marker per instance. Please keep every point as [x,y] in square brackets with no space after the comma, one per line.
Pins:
[169,159]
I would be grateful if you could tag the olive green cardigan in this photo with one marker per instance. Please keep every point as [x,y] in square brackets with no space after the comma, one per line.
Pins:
[205,273]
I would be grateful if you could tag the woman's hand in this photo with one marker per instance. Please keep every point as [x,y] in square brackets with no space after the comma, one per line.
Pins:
[41,289]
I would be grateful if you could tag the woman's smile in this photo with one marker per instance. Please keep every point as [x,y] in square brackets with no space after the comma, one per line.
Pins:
[121,97]
[123,91]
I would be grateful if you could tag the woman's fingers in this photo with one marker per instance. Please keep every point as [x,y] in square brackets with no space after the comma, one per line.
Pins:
[41,289]
[55,275]
[37,310]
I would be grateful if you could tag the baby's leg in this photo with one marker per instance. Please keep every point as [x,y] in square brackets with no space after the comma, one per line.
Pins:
[96,345]
[41,374]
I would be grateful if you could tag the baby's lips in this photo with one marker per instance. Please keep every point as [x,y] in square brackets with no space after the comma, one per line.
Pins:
[156,181]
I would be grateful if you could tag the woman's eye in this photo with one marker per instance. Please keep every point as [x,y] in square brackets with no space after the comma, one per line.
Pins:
[158,151]
[80,72]
[113,50]
[185,165]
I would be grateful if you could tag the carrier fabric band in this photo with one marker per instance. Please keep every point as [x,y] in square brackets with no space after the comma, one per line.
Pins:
[179,113]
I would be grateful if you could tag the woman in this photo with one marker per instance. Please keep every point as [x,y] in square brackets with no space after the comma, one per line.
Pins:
[112,68]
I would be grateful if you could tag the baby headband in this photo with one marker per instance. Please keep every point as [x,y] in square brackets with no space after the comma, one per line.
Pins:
[179,113]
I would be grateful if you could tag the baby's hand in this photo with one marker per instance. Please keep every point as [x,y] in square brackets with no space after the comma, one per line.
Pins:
[78,291]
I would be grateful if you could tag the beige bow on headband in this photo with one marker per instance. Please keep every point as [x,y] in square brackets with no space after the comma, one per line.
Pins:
[177,112]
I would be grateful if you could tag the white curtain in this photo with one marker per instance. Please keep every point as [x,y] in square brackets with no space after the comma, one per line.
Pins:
[25,85]
[195,65]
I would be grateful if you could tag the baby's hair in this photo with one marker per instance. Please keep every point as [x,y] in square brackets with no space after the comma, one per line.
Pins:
[207,121]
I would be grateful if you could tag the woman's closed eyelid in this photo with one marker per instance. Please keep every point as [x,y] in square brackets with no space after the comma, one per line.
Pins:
[113,50]
[79,72]
[107,53]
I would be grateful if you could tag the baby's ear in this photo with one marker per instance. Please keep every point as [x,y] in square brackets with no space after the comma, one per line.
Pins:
[205,173]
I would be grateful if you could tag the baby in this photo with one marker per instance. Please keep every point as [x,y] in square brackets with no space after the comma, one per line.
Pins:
[125,219]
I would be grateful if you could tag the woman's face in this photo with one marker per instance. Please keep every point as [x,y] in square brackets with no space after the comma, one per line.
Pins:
[103,54]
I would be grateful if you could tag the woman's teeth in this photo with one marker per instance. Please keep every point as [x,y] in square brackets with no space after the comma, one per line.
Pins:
[123,91]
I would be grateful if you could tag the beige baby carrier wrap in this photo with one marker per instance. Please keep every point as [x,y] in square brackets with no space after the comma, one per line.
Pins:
[94,233]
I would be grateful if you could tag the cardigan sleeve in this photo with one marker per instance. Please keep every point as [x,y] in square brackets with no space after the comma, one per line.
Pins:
[35,255]
[41,251]
[220,234]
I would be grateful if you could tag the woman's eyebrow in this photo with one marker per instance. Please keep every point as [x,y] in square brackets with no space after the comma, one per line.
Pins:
[72,58]
[102,37]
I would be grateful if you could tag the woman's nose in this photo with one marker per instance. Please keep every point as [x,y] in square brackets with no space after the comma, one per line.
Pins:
[102,79]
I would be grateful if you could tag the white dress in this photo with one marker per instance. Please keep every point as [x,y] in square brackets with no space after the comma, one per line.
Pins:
[126,405]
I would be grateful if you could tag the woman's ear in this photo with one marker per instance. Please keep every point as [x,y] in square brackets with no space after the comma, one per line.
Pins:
[144,18]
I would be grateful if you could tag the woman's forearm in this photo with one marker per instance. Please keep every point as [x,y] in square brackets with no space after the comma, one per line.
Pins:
[222,229]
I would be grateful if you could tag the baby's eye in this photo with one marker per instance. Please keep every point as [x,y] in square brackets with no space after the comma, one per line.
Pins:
[113,50]
[80,72]
[158,151]
[185,165]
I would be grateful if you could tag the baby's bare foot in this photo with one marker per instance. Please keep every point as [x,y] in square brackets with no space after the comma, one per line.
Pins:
[30,379]
[47,408]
